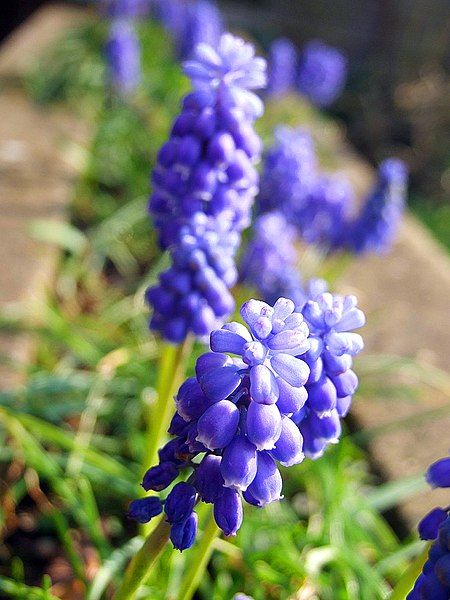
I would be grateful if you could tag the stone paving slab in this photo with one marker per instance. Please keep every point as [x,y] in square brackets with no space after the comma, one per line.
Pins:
[406,297]
[36,181]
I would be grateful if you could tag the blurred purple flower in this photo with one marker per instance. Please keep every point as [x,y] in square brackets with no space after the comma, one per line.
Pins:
[282,67]
[123,57]
[322,73]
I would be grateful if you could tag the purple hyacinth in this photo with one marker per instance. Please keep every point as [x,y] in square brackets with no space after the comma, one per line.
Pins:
[434,581]
[234,417]
[282,67]
[203,24]
[172,15]
[126,9]
[322,73]
[438,475]
[205,182]
[190,23]
[375,229]
[332,382]
[290,173]
[324,218]
[270,260]
[123,56]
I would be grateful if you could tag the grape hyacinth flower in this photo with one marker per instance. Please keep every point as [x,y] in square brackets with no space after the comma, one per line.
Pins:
[322,73]
[203,24]
[123,55]
[290,173]
[205,182]
[332,382]
[434,581]
[270,261]
[126,9]
[376,227]
[282,67]
[325,216]
[232,424]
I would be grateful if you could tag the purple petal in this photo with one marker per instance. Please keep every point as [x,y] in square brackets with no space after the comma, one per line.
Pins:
[267,484]
[219,383]
[438,474]
[217,426]
[263,385]
[223,340]
[291,399]
[263,425]
[289,447]
[290,368]
[209,361]
[238,466]
[228,512]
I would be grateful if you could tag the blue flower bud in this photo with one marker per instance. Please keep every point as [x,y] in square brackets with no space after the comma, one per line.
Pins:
[223,340]
[263,385]
[438,474]
[159,477]
[218,424]
[183,534]
[238,466]
[191,401]
[326,427]
[209,361]
[177,425]
[219,383]
[267,484]
[291,399]
[343,405]
[144,509]
[442,570]
[208,478]
[290,368]
[228,512]
[180,502]
[169,452]
[263,426]
[289,447]
[346,383]
[429,525]
[322,395]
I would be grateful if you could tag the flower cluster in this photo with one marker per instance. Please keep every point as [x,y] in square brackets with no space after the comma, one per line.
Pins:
[126,9]
[332,382]
[190,24]
[322,73]
[316,204]
[319,72]
[321,206]
[277,398]
[376,227]
[282,67]
[290,172]
[434,581]
[235,412]
[123,55]
[325,216]
[270,261]
[204,183]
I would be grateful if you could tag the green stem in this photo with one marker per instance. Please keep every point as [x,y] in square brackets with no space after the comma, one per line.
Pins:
[198,560]
[142,562]
[171,371]
[406,583]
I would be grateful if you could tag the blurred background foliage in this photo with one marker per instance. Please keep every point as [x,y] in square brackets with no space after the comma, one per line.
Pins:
[72,436]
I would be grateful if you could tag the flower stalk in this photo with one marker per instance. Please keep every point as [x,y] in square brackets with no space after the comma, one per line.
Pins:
[142,562]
